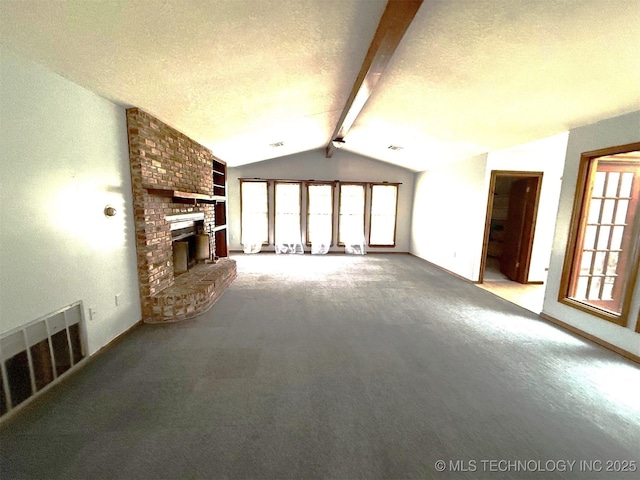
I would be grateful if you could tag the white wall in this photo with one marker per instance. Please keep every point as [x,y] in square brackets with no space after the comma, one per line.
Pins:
[343,166]
[547,156]
[608,133]
[64,158]
[449,209]
[450,206]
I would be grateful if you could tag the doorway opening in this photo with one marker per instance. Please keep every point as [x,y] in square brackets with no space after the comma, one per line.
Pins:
[512,210]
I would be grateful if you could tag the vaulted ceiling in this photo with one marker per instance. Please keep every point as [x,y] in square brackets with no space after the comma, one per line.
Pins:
[469,76]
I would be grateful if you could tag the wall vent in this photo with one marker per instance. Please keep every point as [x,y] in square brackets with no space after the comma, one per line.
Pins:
[37,354]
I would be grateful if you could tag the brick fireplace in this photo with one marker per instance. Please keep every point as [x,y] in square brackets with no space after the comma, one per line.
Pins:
[172,177]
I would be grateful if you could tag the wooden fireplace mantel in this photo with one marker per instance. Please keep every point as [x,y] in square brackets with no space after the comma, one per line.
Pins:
[189,197]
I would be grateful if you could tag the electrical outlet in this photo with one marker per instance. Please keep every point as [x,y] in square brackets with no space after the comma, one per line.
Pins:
[93,313]
[118,299]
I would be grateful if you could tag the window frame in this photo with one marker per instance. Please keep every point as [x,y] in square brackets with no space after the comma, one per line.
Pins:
[395,217]
[333,213]
[579,219]
[266,182]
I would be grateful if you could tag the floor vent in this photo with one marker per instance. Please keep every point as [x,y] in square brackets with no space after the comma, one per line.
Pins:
[36,354]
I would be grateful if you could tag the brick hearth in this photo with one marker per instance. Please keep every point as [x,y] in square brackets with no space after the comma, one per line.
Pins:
[161,158]
[193,292]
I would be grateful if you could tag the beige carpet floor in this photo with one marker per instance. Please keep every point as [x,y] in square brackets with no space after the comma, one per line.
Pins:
[338,367]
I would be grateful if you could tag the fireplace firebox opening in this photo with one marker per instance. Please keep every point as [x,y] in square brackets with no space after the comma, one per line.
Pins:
[190,241]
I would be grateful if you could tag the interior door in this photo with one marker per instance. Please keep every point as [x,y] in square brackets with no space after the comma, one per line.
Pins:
[519,229]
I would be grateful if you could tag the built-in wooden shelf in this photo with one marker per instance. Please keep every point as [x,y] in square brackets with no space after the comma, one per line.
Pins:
[189,196]
[218,228]
[219,177]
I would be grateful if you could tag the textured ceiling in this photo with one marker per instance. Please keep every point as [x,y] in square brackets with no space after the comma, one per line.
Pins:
[239,75]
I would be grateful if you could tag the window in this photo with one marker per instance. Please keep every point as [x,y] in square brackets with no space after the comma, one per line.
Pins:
[384,201]
[288,213]
[602,261]
[351,214]
[260,225]
[319,213]
[254,205]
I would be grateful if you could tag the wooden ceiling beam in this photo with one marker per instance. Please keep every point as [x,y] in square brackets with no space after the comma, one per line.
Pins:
[395,21]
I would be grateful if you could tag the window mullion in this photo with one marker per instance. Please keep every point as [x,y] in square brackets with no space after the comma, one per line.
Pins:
[611,230]
[601,224]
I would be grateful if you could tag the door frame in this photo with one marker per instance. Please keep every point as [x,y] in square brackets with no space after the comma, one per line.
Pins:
[487,223]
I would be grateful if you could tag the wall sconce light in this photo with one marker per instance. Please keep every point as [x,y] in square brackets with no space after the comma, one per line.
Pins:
[338,142]
[109,211]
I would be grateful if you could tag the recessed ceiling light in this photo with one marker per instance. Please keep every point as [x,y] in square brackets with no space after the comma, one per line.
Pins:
[277,144]
[394,147]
